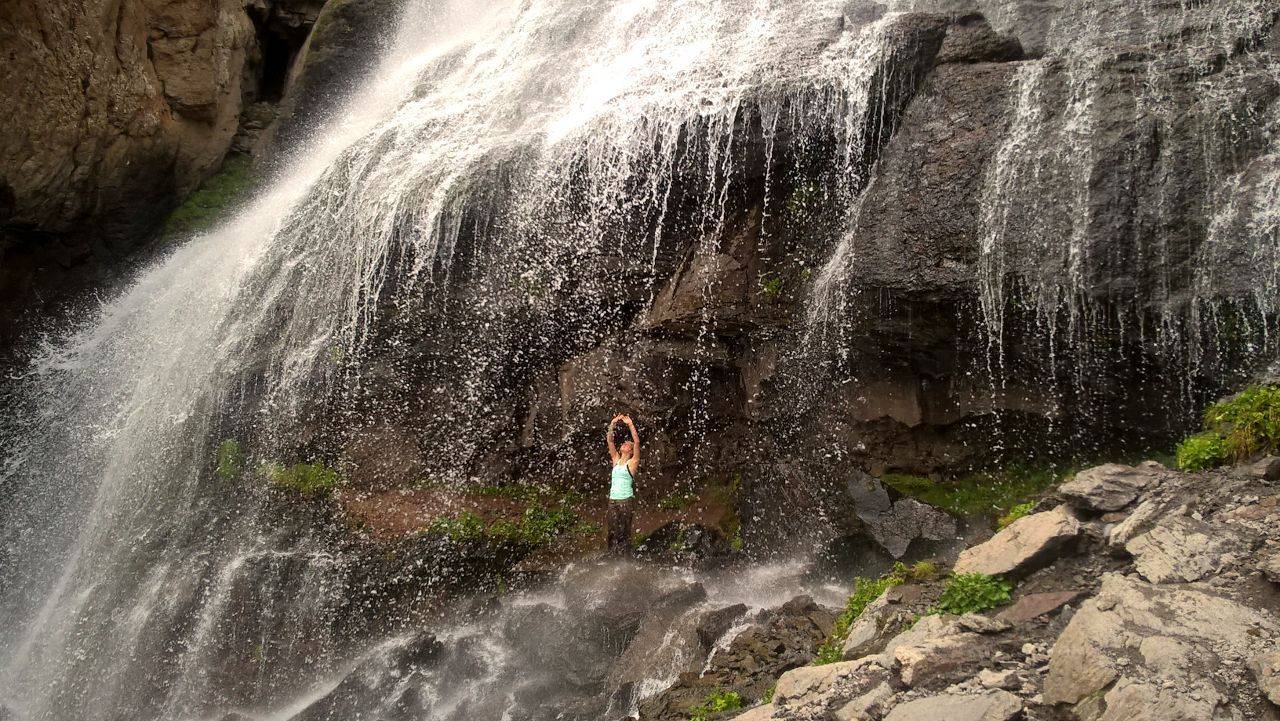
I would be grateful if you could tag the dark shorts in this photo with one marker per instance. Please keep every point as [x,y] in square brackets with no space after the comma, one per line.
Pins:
[620,516]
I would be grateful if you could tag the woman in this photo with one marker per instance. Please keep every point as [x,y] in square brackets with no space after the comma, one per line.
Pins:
[622,486]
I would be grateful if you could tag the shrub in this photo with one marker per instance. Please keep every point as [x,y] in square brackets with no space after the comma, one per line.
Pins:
[463,527]
[1015,513]
[973,592]
[771,287]
[308,479]
[230,460]
[1201,451]
[717,702]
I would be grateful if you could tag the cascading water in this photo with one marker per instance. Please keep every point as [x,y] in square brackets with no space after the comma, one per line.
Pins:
[470,195]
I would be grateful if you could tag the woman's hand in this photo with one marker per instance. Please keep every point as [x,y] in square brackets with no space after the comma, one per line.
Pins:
[616,418]
[626,419]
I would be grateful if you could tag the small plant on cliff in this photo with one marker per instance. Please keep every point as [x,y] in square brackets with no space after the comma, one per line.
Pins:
[771,287]
[308,479]
[230,460]
[1015,513]
[973,592]
[1236,428]
[717,702]
[461,528]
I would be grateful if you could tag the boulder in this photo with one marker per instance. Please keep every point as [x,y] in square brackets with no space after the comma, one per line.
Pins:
[1109,487]
[668,642]
[1035,605]
[1132,700]
[895,521]
[1270,567]
[763,712]
[1213,635]
[880,621]
[813,692]
[1267,469]
[1023,546]
[1266,670]
[938,662]
[990,706]
[1180,549]
[868,706]
[1139,521]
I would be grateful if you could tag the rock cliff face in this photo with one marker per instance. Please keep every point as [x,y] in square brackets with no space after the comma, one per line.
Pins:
[118,109]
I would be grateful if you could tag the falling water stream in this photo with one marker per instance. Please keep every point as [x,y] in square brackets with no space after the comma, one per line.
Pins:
[478,202]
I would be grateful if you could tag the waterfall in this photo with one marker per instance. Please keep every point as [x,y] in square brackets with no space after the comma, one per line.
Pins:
[477,203]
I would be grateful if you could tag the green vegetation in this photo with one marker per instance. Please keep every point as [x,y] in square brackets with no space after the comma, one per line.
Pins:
[1235,429]
[214,197]
[230,460]
[866,590]
[973,592]
[717,702]
[1015,513]
[769,694]
[538,526]
[983,493]
[807,198]
[677,500]
[771,286]
[308,479]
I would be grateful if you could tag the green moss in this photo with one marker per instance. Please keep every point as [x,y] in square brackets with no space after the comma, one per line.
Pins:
[230,460]
[538,526]
[717,702]
[213,199]
[771,286]
[982,493]
[1235,429]
[308,479]
[973,592]
[677,500]
[1015,513]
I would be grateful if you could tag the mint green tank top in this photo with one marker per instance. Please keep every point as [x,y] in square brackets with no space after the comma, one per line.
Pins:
[622,486]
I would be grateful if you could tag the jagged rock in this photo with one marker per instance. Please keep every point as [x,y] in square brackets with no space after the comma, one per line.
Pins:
[895,521]
[811,693]
[1035,605]
[971,40]
[882,619]
[1267,469]
[344,45]
[771,643]
[1270,567]
[1266,670]
[941,649]
[990,706]
[669,642]
[1214,634]
[1180,549]
[1109,487]
[868,706]
[764,712]
[1139,521]
[1132,700]
[1023,546]
[940,661]
[379,678]
[1006,679]
[685,540]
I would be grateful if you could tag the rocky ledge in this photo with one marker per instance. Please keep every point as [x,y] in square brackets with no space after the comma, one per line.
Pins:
[1141,593]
